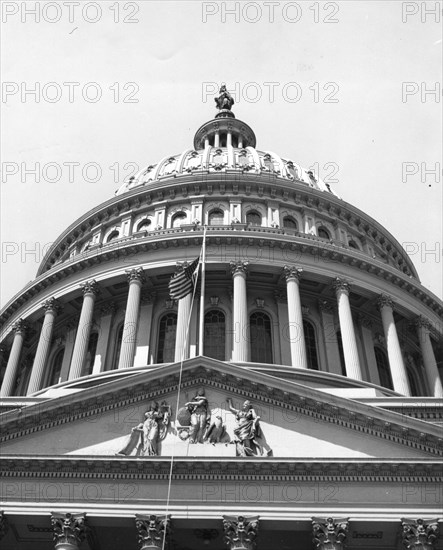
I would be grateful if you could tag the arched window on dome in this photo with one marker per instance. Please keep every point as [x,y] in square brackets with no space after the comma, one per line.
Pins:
[353,244]
[311,345]
[178,219]
[166,338]
[253,218]
[56,368]
[216,217]
[143,225]
[384,372]
[290,223]
[261,337]
[112,236]
[323,233]
[90,354]
[215,334]
[341,353]
[117,347]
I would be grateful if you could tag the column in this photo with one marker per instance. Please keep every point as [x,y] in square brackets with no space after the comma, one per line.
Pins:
[435,385]
[183,322]
[283,321]
[350,350]
[418,534]
[51,307]
[329,533]
[136,278]
[8,385]
[368,347]
[295,317]
[90,291]
[240,532]
[69,530]
[152,531]
[107,313]
[143,351]
[396,364]
[328,323]
[240,331]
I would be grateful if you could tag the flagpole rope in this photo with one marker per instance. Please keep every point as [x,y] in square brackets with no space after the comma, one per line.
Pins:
[178,398]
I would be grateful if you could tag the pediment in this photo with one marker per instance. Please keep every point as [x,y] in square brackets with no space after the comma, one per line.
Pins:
[295,421]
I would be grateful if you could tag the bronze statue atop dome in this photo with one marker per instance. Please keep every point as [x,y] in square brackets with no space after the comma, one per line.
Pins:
[225,100]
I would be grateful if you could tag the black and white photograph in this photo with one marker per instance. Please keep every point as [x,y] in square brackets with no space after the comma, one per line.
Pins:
[221,275]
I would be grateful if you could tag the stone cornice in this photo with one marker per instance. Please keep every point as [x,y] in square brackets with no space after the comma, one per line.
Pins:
[156,384]
[230,469]
[174,238]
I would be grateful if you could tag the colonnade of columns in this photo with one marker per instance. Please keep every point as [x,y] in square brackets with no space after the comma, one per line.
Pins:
[239,532]
[241,340]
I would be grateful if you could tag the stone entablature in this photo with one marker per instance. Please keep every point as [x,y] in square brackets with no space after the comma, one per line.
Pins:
[141,203]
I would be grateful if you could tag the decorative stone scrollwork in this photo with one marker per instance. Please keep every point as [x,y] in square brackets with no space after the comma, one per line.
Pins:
[52,305]
[385,301]
[241,532]
[152,530]
[136,275]
[291,272]
[90,287]
[419,534]
[329,533]
[239,267]
[69,530]
[20,326]
[340,285]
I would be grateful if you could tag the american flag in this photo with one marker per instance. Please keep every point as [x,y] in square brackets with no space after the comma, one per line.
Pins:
[182,283]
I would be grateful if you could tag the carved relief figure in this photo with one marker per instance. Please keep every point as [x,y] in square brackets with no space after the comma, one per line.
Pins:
[216,432]
[248,434]
[198,408]
[147,435]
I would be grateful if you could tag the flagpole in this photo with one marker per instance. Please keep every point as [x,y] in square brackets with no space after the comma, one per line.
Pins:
[202,296]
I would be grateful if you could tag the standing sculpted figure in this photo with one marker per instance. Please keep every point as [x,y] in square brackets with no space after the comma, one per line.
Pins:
[198,408]
[248,429]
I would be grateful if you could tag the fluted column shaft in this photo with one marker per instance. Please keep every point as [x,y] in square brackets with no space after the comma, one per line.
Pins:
[295,318]
[90,291]
[350,350]
[51,307]
[240,315]
[395,357]
[129,340]
[429,361]
[182,335]
[12,366]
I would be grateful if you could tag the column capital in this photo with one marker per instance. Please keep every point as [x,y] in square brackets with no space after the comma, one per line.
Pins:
[364,320]
[341,285]
[152,530]
[20,326]
[421,321]
[326,306]
[52,305]
[240,532]
[385,301]
[69,529]
[90,287]
[329,533]
[292,273]
[4,526]
[239,267]
[136,275]
[418,534]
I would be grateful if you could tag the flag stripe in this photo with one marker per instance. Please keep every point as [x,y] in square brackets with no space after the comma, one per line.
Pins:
[181,284]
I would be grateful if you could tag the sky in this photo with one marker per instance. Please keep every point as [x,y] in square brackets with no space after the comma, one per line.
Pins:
[351,88]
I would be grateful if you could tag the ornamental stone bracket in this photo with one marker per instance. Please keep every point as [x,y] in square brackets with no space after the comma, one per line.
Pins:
[153,531]
[329,533]
[69,530]
[240,532]
[419,534]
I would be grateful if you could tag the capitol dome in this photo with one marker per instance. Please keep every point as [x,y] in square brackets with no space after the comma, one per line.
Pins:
[307,354]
